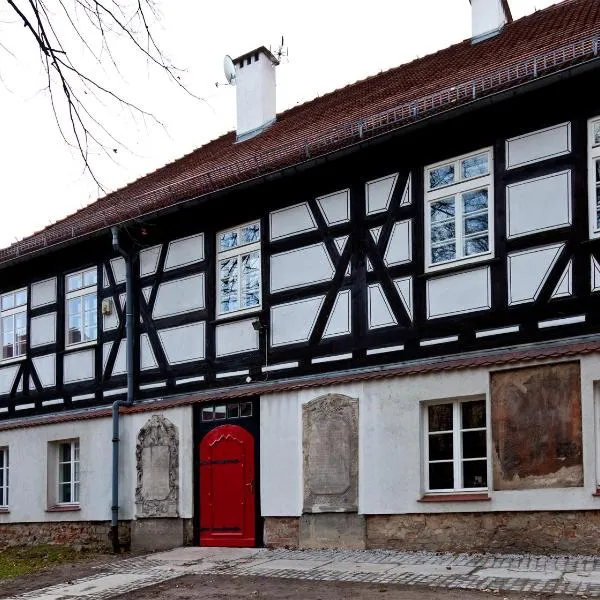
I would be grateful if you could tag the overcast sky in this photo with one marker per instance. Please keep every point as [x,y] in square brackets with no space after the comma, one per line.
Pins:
[331,43]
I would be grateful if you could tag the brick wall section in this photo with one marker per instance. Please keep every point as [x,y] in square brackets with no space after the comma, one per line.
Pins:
[572,532]
[281,532]
[92,535]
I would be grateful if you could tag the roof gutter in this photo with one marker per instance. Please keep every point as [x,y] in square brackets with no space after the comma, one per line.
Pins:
[444,115]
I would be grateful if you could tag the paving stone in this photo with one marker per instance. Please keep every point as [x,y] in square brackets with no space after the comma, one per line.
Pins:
[428,569]
[357,567]
[589,577]
[194,554]
[299,564]
[507,573]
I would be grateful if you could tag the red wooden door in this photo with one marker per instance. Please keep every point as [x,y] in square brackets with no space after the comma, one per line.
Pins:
[227,494]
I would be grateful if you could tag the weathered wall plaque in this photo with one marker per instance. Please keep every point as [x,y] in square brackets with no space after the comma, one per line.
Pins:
[536,427]
[330,454]
[157,464]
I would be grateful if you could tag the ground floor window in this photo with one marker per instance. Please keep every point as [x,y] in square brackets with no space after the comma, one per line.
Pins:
[3,477]
[456,446]
[68,472]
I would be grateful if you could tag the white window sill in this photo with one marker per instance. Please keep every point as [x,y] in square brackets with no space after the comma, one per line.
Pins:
[459,496]
[238,313]
[10,361]
[81,345]
[63,508]
[461,262]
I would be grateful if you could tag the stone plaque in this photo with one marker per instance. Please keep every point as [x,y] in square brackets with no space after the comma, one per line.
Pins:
[330,454]
[157,464]
[155,472]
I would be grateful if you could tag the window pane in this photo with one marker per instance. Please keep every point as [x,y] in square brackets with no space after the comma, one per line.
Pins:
[476,200]
[65,453]
[90,277]
[74,282]
[475,166]
[440,417]
[477,224]
[8,301]
[474,473]
[21,298]
[441,210]
[21,322]
[598,207]
[2,502]
[441,476]
[228,271]
[474,444]
[74,336]
[250,233]
[90,333]
[233,411]
[228,240]
[246,409]
[76,451]
[64,493]
[597,171]
[441,446]
[1,459]
[89,302]
[74,307]
[21,344]
[441,232]
[207,413]
[443,253]
[251,280]
[476,245]
[75,492]
[473,414]
[597,133]
[65,472]
[441,176]
[220,412]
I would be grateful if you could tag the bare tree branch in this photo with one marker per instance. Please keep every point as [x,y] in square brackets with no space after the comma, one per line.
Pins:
[78,94]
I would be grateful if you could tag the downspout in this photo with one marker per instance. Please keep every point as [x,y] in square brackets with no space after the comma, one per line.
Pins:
[129,326]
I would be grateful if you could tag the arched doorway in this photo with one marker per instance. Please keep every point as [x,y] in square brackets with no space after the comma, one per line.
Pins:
[227,487]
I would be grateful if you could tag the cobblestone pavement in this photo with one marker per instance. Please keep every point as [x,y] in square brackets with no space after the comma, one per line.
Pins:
[529,574]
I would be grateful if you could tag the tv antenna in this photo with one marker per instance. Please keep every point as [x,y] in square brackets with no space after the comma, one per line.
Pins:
[281,51]
[229,70]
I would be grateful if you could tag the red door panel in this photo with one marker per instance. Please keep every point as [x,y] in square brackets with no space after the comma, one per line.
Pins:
[227,495]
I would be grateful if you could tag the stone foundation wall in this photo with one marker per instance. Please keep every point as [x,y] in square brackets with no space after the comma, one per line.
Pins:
[572,532]
[281,532]
[91,535]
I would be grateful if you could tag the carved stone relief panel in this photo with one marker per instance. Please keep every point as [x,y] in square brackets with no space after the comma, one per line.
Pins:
[157,465]
[330,454]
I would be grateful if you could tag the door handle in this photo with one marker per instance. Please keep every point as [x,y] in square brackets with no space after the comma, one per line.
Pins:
[251,486]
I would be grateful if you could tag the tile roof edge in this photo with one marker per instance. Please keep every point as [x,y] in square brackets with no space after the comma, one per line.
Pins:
[515,355]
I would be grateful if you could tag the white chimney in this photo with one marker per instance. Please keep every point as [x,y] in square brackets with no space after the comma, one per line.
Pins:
[489,17]
[255,92]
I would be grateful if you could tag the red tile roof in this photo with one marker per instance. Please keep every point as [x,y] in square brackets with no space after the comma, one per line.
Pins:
[551,39]
[554,351]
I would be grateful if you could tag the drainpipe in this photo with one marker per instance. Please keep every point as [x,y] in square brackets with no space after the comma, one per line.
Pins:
[129,325]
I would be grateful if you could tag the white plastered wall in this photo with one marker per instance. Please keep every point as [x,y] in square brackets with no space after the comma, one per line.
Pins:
[28,460]
[391,445]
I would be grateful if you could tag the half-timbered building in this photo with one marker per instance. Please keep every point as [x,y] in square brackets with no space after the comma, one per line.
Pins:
[368,321]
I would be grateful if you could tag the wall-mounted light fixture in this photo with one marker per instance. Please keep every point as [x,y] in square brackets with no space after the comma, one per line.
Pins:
[258,325]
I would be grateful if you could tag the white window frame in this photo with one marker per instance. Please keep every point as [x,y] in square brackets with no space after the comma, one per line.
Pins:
[81,292]
[457,458]
[13,313]
[593,156]
[455,189]
[238,252]
[4,486]
[74,482]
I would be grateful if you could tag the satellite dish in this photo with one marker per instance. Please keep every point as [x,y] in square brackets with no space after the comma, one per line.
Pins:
[229,69]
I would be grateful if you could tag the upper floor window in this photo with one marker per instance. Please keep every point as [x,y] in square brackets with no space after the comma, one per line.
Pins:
[3,477]
[594,175]
[456,446]
[81,303]
[238,269]
[13,323]
[459,209]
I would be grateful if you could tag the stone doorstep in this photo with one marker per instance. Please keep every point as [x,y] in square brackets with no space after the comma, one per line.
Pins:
[193,555]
